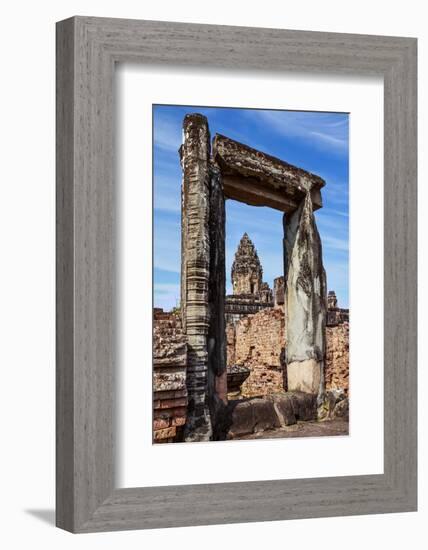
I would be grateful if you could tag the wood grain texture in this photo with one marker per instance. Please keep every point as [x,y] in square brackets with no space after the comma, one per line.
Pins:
[87,49]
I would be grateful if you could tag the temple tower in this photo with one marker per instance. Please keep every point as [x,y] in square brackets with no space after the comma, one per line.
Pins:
[331,300]
[247,272]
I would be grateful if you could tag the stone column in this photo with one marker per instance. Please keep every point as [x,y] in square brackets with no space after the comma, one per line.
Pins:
[306,301]
[217,375]
[195,158]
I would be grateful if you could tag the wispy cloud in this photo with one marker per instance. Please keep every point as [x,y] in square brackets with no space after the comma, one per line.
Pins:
[315,141]
[167,196]
[167,134]
[334,243]
[323,129]
[335,212]
[167,239]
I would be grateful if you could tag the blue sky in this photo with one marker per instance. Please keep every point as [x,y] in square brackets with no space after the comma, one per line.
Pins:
[317,142]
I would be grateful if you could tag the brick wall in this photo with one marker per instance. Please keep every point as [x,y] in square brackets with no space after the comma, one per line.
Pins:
[169,377]
[257,342]
[337,360]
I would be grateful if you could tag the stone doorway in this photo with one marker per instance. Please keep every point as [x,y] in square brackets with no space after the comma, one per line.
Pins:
[212,173]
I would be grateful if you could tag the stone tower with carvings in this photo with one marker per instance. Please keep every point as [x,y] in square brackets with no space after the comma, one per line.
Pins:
[247,272]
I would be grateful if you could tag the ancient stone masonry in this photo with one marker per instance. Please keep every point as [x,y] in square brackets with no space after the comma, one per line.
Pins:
[306,301]
[250,416]
[259,179]
[235,171]
[247,272]
[279,293]
[335,314]
[258,343]
[217,376]
[337,359]
[195,274]
[250,293]
[169,377]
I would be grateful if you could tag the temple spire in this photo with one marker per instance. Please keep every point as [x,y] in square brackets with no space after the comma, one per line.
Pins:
[247,272]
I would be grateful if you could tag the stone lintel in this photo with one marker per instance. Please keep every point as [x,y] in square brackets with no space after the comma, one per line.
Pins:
[259,179]
[255,193]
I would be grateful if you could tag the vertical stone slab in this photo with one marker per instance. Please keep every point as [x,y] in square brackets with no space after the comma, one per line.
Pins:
[195,158]
[306,301]
[217,376]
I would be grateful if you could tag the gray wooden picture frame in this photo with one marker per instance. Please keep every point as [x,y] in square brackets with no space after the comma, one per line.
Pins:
[87,50]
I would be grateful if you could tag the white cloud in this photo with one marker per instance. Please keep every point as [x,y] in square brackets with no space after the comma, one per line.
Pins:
[335,243]
[167,134]
[322,128]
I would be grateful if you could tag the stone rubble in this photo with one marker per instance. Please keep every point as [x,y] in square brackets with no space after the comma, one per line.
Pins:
[269,413]
[169,377]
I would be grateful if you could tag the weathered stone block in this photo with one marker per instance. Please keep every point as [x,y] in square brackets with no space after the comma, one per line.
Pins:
[304,405]
[304,376]
[341,410]
[306,301]
[169,374]
[160,423]
[257,178]
[165,433]
[284,409]
[169,381]
[337,358]
[243,421]
[257,342]
[265,417]
[170,403]
[178,421]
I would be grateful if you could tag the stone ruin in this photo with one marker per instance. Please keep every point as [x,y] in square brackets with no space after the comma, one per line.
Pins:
[256,342]
[256,371]
[169,377]
[213,173]
[250,293]
[335,315]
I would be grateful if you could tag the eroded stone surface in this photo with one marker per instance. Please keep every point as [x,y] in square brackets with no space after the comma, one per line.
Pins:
[169,377]
[195,158]
[250,293]
[337,358]
[335,404]
[306,301]
[304,375]
[269,413]
[240,172]
[265,331]
[258,343]
[260,179]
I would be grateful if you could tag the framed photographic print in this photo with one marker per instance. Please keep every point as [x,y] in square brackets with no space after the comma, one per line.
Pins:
[236,274]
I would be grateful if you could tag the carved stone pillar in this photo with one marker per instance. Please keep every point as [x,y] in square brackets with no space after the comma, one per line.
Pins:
[306,301]
[217,375]
[195,158]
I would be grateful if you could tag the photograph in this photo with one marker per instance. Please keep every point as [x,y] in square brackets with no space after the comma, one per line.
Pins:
[211,257]
[251,311]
